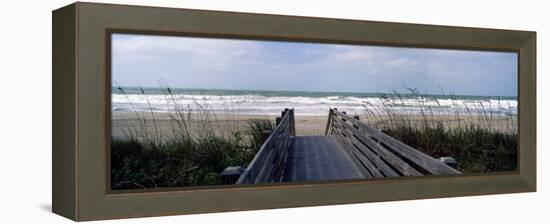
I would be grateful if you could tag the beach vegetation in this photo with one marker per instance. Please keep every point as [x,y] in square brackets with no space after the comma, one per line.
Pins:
[195,153]
[481,137]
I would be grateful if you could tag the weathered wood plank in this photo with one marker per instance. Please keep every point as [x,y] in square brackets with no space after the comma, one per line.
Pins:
[380,165]
[347,140]
[420,159]
[370,169]
[397,163]
[372,162]
[329,121]
[318,158]
[271,165]
[365,171]
[267,163]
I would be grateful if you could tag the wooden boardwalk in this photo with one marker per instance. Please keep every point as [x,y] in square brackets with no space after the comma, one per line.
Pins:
[318,158]
[350,149]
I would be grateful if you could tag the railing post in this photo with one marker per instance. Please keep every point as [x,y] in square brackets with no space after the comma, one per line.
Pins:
[329,121]
[231,174]
[292,123]
[344,112]
[356,117]
[265,135]
[450,161]
[269,161]
[344,127]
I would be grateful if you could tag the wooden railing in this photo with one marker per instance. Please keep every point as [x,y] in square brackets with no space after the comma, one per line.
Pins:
[379,154]
[267,166]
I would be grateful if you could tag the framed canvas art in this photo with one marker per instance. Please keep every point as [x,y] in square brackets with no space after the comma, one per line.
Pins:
[202,111]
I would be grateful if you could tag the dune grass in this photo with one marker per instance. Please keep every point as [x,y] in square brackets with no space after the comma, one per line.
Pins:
[480,139]
[147,159]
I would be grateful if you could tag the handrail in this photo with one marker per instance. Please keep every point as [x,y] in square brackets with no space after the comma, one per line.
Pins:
[268,162]
[380,154]
[328,121]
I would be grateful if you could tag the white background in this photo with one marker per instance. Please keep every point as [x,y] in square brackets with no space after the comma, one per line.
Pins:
[25,120]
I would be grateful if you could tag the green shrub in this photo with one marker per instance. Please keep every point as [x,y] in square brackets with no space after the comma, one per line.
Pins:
[470,136]
[149,160]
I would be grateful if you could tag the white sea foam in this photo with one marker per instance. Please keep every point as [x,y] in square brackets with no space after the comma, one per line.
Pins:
[304,105]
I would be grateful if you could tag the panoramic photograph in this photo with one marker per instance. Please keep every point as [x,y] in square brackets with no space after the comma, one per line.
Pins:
[197,111]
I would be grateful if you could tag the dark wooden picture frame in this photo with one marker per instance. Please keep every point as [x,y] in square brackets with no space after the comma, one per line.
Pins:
[81,110]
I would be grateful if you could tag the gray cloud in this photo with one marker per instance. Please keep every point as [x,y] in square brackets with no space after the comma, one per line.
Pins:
[246,64]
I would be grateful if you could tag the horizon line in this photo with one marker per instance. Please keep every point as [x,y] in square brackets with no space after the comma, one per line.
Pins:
[318,91]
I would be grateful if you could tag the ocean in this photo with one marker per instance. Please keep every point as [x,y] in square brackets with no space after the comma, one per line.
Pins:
[266,102]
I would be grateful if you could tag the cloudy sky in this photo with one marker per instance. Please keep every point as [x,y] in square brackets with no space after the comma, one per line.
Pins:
[271,65]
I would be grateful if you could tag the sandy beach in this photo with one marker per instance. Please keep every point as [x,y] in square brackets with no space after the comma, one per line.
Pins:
[122,122]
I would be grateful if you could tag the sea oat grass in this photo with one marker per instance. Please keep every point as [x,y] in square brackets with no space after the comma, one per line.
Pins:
[146,159]
[479,139]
